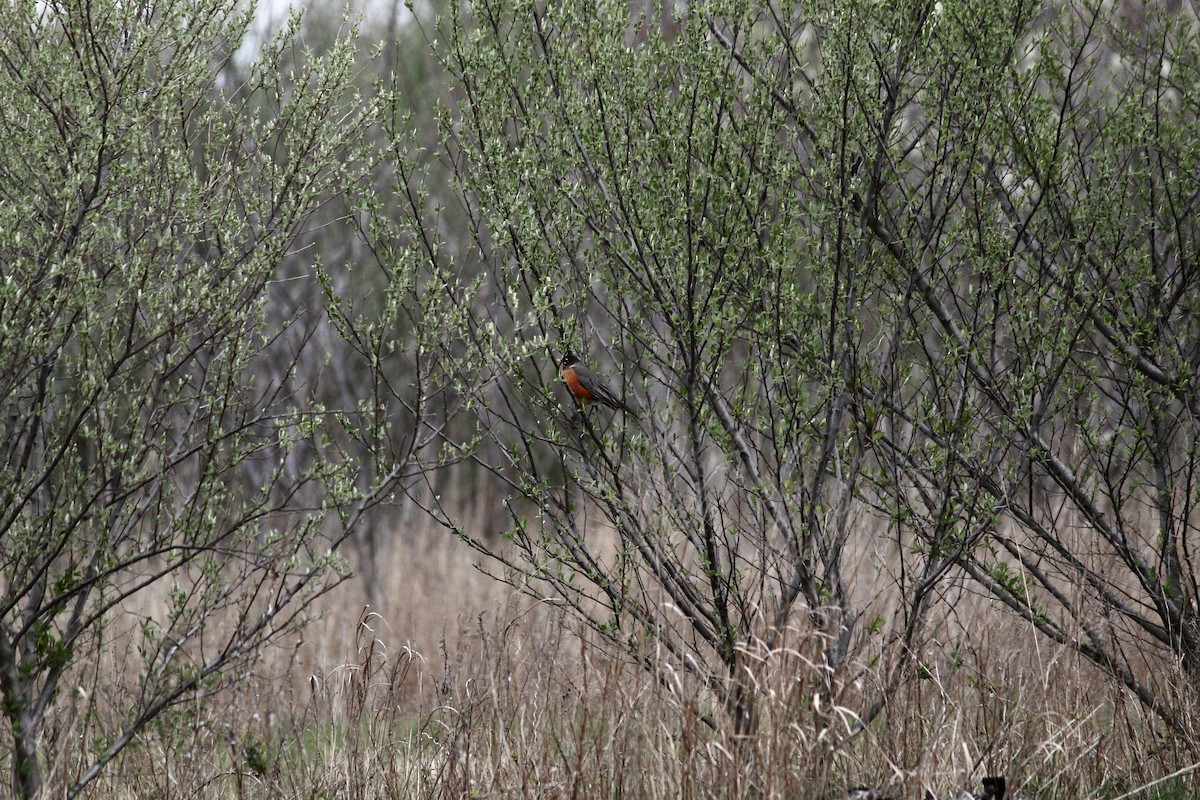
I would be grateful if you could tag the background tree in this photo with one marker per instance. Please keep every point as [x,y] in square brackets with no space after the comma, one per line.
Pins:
[637,204]
[908,280]
[374,340]
[172,490]
[1041,430]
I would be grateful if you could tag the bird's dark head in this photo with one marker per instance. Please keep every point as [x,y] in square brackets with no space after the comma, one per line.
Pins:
[994,788]
[566,359]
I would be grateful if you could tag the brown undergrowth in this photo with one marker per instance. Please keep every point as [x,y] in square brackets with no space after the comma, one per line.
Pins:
[453,686]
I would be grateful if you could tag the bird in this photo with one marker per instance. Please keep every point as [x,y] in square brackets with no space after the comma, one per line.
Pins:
[865,793]
[586,385]
[994,788]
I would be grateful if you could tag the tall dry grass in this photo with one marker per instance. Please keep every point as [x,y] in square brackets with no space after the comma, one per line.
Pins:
[450,685]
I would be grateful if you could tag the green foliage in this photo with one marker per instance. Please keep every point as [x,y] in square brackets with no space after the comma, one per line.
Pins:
[926,258]
[155,424]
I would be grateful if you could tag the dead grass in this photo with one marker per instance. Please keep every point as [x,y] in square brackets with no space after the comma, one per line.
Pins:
[449,686]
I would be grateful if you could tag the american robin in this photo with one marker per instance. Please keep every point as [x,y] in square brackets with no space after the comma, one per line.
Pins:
[587,385]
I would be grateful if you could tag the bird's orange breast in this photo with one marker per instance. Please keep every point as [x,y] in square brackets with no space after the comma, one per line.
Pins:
[571,378]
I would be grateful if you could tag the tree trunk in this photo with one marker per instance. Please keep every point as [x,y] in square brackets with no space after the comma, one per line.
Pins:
[16,703]
[27,772]
[739,700]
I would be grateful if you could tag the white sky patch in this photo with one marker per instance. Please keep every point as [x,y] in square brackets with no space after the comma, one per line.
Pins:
[271,16]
